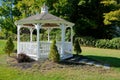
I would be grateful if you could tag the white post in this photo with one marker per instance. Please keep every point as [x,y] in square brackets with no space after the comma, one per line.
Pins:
[71,39]
[48,34]
[18,39]
[31,32]
[62,39]
[38,26]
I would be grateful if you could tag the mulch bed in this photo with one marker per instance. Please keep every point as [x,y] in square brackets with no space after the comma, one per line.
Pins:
[49,65]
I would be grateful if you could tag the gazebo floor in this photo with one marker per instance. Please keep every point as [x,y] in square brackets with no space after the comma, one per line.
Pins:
[62,57]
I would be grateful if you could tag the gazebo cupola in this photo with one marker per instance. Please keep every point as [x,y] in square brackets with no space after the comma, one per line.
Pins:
[40,49]
[44,9]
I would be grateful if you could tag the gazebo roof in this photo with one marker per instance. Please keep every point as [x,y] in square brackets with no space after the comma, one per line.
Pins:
[44,18]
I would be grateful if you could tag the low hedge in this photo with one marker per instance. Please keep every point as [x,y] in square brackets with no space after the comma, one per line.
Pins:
[115,43]
[100,43]
[87,41]
[110,44]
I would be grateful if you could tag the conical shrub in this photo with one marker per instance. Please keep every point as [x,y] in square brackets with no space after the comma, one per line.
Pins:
[9,47]
[77,47]
[54,55]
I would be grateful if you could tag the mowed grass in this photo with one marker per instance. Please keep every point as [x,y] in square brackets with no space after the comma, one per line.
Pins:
[70,73]
[73,72]
[107,56]
[2,46]
[9,73]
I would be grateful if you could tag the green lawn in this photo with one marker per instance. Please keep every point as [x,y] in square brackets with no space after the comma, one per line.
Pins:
[2,44]
[109,56]
[70,73]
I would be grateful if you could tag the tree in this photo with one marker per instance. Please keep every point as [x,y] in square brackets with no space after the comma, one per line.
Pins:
[9,47]
[54,55]
[112,18]
[29,7]
[77,47]
[7,16]
[89,16]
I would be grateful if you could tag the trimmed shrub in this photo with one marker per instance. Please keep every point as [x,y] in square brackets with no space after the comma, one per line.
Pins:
[102,43]
[54,55]
[23,58]
[9,47]
[110,44]
[115,43]
[87,41]
[77,47]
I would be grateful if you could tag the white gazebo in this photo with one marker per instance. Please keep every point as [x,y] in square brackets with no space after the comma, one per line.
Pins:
[40,49]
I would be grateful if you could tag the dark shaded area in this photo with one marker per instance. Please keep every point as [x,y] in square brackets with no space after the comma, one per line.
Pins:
[75,60]
[113,61]
[24,58]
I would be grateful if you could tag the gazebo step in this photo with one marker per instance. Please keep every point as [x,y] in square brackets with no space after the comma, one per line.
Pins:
[33,56]
[66,55]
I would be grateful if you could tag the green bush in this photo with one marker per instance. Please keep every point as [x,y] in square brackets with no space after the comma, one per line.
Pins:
[115,43]
[77,47]
[54,55]
[110,44]
[9,47]
[102,43]
[87,41]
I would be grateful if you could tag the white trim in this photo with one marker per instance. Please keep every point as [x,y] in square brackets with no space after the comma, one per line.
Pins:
[18,38]
[71,38]
[49,34]
[38,26]
[63,38]
[31,33]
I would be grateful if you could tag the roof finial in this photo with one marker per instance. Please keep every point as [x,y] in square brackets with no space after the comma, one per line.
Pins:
[44,9]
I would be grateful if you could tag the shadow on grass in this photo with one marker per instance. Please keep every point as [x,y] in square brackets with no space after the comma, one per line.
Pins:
[112,61]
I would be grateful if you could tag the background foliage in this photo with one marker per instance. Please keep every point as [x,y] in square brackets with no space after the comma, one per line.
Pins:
[100,43]
[96,18]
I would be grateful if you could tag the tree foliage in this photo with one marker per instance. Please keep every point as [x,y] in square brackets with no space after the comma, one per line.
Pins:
[29,7]
[113,17]
[6,15]
[91,17]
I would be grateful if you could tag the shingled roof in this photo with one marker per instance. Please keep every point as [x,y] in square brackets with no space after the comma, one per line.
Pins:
[43,18]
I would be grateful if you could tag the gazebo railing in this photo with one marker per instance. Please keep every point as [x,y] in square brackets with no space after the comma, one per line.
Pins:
[68,47]
[30,48]
[45,48]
